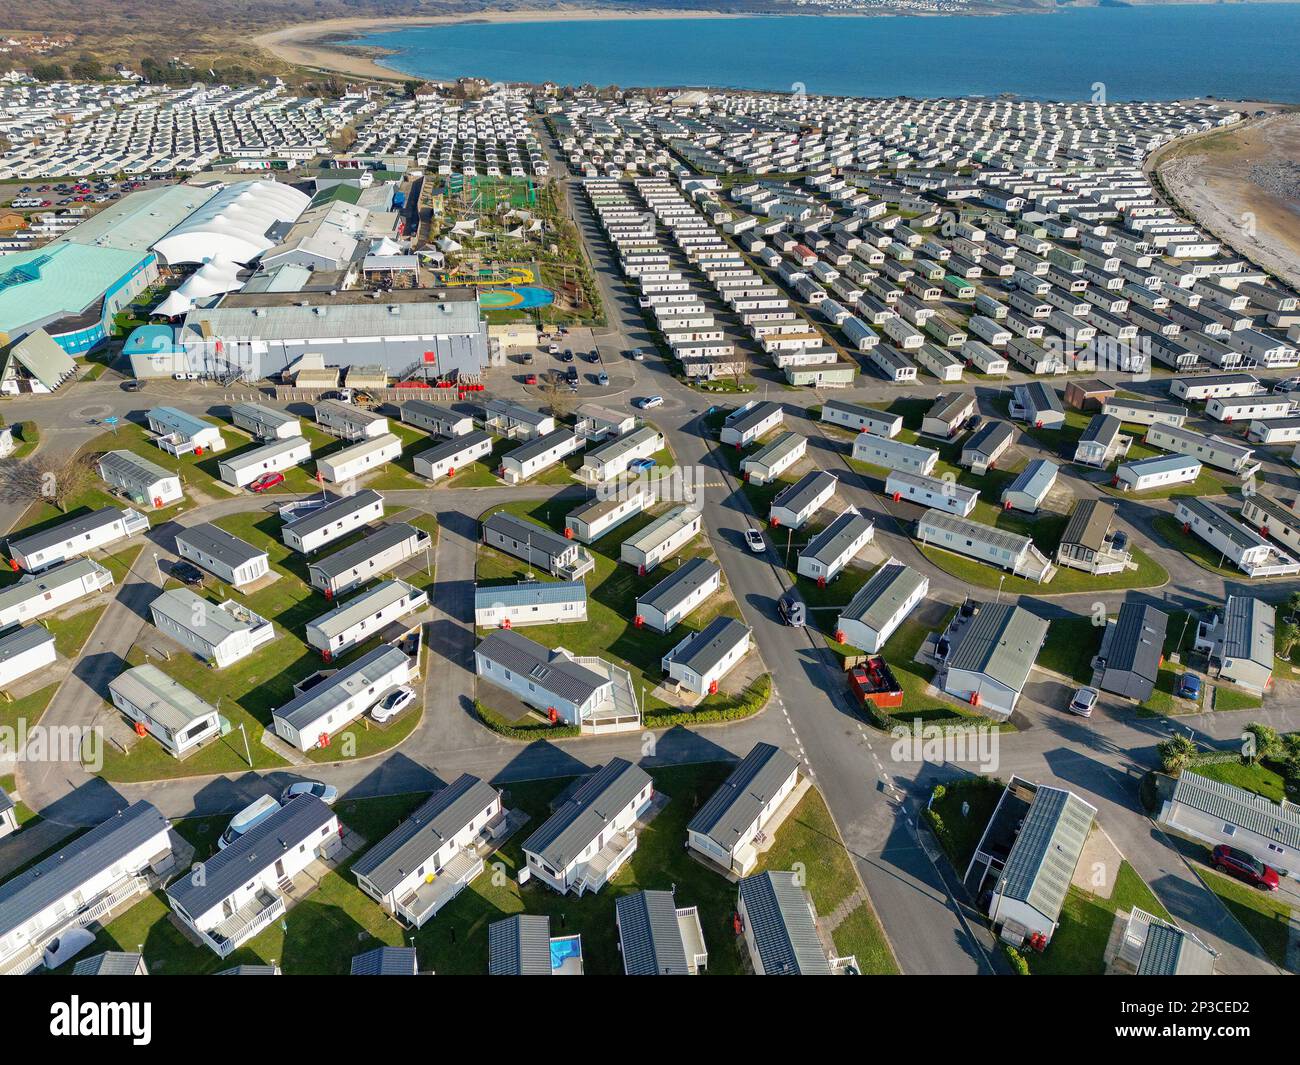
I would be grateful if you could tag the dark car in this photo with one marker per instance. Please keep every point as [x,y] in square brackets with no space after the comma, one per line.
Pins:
[567,357]
[974,422]
[1189,687]
[187,573]
[592,356]
[1245,867]
[132,386]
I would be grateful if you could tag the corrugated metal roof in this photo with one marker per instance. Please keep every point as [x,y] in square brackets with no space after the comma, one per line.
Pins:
[782,925]
[1001,641]
[801,494]
[679,585]
[27,894]
[365,605]
[587,812]
[520,946]
[132,468]
[165,700]
[829,544]
[1046,851]
[971,530]
[1137,644]
[885,591]
[336,509]
[989,438]
[456,445]
[748,418]
[386,961]
[55,577]
[663,528]
[110,963]
[20,641]
[417,839]
[300,711]
[529,593]
[357,554]
[214,541]
[71,529]
[1088,524]
[528,532]
[1237,806]
[703,650]
[550,671]
[649,937]
[1248,630]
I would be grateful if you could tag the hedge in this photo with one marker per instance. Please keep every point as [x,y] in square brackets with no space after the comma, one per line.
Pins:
[532,730]
[732,708]
[1017,960]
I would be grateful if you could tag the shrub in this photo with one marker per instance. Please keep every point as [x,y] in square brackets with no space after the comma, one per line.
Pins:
[1176,753]
[730,708]
[526,731]
[1018,963]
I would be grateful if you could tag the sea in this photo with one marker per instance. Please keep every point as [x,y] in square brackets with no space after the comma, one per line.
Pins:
[1107,53]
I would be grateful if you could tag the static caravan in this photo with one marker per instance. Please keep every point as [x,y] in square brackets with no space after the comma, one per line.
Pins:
[1241,642]
[991,654]
[363,616]
[751,422]
[566,688]
[661,539]
[316,713]
[1272,519]
[1238,543]
[222,554]
[437,418]
[729,826]
[349,422]
[894,454]
[264,423]
[948,414]
[774,458]
[514,421]
[891,362]
[943,364]
[538,454]
[1162,471]
[1038,404]
[529,603]
[984,358]
[881,605]
[703,658]
[1031,486]
[946,495]
[1224,814]
[678,594]
[75,537]
[365,456]
[1142,412]
[859,418]
[177,718]
[612,460]
[1009,551]
[280,454]
[444,459]
[220,633]
[982,450]
[835,546]
[1102,442]
[179,433]
[796,503]
[35,595]
[1087,543]
[143,482]
[1229,409]
[23,651]
[536,545]
[597,517]
[311,529]
[1195,389]
[1211,450]
[375,555]
[1275,431]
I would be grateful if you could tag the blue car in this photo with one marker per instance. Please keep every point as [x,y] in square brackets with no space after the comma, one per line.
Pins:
[641,464]
[1189,686]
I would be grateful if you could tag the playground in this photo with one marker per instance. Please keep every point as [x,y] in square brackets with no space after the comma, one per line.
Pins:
[503,287]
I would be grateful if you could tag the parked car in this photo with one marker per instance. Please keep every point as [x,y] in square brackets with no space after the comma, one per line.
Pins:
[135,385]
[1119,541]
[530,379]
[1189,687]
[1084,701]
[528,358]
[1289,384]
[248,818]
[592,356]
[650,401]
[791,610]
[641,464]
[974,422]
[266,481]
[754,541]
[327,793]
[1245,867]
[602,379]
[567,356]
[63,948]
[392,704]
[638,355]
[186,573]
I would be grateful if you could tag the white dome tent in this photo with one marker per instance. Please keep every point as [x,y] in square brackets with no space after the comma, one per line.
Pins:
[233,225]
[174,305]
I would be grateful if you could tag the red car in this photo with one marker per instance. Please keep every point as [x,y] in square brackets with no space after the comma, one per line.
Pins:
[530,379]
[1245,867]
[266,481]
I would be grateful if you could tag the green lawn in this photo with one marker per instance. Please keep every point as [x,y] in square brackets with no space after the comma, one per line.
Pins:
[1079,945]
[1256,777]
[612,591]
[1149,574]
[29,708]
[1206,484]
[1071,645]
[960,834]
[337,921]
[1229,698]
[1262,913]
[1171,531]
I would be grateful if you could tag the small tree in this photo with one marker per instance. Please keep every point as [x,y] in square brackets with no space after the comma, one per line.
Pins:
[1176,754]
[60,483]
[1264,743]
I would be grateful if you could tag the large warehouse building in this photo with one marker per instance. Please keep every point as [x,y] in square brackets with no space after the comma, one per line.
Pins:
[260,334]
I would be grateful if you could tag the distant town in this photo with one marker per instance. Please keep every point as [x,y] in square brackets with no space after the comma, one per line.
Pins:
[474,528]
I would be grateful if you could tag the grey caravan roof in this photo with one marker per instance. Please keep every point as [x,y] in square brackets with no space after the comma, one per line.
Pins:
[750,786]
[132,467]
[1138,642]
[67,530]
[338,507]
[580,819]
[782,925]
[214,541]
[537,537]
[1088,524]
[540,445]
[385,961]
[257,849]
[23,640]
[1001,641]
[419,837]
[835,539]
[649,935]
[352,556]
[747,418]
[453,447]
[804,490]
[529,593]
[1248,629]
[880,598]
[110,963]
[557,674]
[989,438]
[679,585]
[520,946]
[706,648]
[27,894]
[302,710]
[1047,849]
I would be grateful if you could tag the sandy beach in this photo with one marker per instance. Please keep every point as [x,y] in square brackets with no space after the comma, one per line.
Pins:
[314,44]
